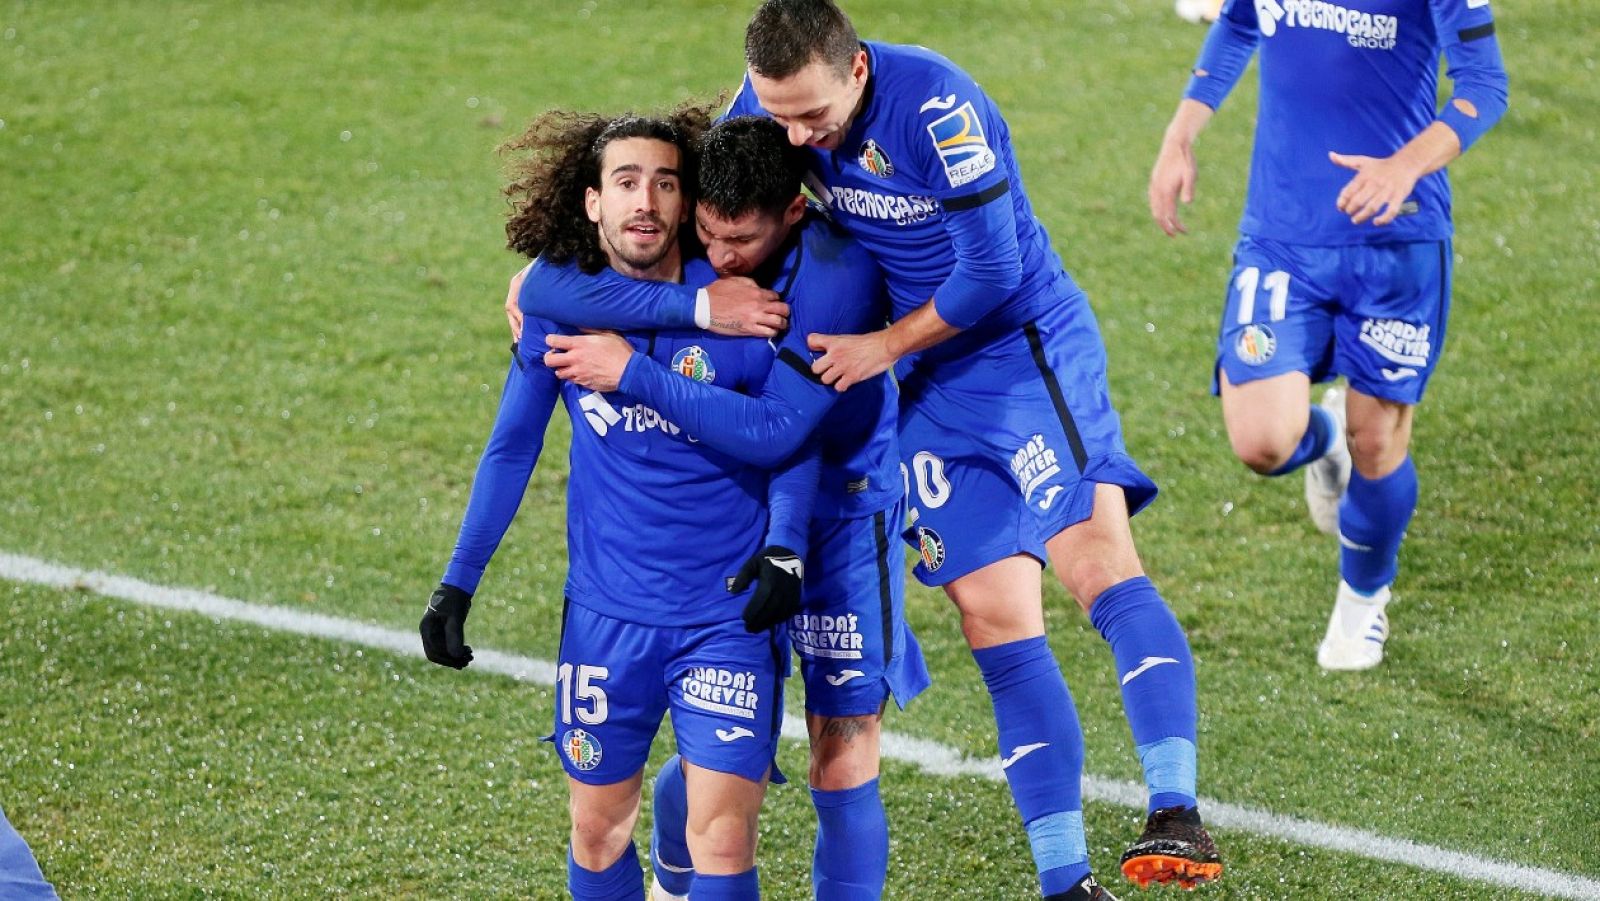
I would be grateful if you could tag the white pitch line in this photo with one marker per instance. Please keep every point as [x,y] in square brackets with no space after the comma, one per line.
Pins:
[929,756]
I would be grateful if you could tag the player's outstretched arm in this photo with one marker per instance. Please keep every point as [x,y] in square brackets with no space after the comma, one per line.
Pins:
[502,478]
[608,300]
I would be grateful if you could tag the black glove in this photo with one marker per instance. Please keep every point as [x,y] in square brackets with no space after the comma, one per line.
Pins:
[442,626]
[777,571]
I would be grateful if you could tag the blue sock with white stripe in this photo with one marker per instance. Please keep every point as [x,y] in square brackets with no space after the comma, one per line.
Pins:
[736,887]
[1158,690]
[852,856]
[622,881]
[1041,752]
[669,850]
[1372,521]
[1316,441]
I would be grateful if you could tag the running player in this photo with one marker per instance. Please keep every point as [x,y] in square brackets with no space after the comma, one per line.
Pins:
[1343,265]
[656,524]
[855,647]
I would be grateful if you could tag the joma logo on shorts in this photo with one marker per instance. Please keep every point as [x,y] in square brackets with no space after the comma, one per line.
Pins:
[1034,464]
[1398,341]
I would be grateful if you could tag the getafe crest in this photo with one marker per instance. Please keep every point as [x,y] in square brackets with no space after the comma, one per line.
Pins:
[581,748]
[695,363]
[874,160]
[1256,344]
[931,546]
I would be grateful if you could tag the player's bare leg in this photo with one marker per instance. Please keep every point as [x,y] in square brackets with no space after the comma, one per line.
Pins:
[1373,517]
[721,831]
[1275,430]
[1000,603]
[1095,554]
[1380,433]
[1266,418]
[602,852]
[852,847]
[844,750]
[1098,564]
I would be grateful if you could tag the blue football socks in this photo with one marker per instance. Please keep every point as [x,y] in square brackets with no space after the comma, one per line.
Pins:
[1317,440]
[1041,753]
[852,856]
[622,881]
[1372,520]
[1158,691]
[669,851]
[737,887]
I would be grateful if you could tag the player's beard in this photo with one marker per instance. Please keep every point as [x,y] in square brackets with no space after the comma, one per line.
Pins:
[639,259]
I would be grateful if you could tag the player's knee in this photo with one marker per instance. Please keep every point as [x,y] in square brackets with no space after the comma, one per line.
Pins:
[1376,452]
[724,842]
[1088,575]
[842,774]
[845,753]
[1263,452]
[598,840]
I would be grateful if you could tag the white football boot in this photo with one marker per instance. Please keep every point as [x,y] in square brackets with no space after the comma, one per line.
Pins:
[1327,476]
[657,893]
[1356,631]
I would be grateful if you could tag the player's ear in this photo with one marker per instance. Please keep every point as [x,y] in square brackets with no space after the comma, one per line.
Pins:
[858,68]
[795,210]
[591,204]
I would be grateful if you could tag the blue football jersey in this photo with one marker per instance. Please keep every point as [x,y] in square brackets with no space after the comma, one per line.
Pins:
[656,520]
[1355,77]
[833,287]
[926,179]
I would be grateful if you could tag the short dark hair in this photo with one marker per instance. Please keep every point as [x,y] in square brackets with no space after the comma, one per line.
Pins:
[785,36]
[558,157]
[747,164]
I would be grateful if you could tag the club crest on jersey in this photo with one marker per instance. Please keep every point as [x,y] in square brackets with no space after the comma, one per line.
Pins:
[931,547]
[958,137]
[581,748]
[874,160]
[695,363]
[1256,344]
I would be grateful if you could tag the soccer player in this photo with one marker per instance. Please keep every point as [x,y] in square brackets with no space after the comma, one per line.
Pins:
[855,648]
[655,525]
[1343,265]
[1006,423]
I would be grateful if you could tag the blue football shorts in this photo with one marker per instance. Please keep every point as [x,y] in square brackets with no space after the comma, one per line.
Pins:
[615,679]
[855,646]
[1001,448]
[1373,313]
